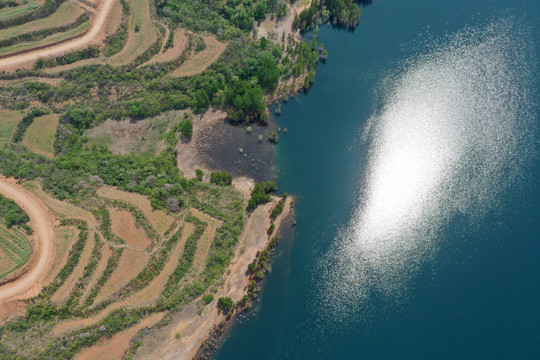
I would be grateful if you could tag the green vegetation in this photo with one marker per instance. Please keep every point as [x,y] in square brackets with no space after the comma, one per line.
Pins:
[185,126]
[11,213]
[345,13]
[208,298]
[261,194]
[16,10]
[42,33]
[112,264]
[27,121]
[225,304]
[278,209]
[49,7]
[73,259]
[16,246]
[69,58]
[221,178]
[185,262]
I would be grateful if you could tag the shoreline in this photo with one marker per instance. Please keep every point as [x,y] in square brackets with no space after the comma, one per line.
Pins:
[219,332]
[195,331]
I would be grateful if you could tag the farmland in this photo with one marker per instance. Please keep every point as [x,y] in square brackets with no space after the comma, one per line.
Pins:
[15,250]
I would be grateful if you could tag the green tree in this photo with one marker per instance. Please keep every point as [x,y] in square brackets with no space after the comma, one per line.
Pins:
[225,304]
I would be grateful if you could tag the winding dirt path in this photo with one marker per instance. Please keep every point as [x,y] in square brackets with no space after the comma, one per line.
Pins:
[42,222]
[98,22]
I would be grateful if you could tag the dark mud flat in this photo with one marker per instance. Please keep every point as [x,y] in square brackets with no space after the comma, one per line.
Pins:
[225,146]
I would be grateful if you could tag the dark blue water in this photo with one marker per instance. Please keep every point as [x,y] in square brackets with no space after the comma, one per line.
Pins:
[474,289]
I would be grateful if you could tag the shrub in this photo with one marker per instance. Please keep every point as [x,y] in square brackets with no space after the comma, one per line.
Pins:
[208,298]
[199,174]
[225,304]
[186,128]
[221,178]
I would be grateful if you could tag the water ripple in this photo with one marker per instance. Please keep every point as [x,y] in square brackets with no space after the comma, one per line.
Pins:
[456,129]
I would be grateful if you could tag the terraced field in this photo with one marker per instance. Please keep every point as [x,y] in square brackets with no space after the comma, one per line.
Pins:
[198,62]
[142,33]
[127,249]
[49,40]
[15,248]
[10,12]
[117,257]
[66,14]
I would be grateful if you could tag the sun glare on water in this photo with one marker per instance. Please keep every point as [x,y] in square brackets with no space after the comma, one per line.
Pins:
[455,130]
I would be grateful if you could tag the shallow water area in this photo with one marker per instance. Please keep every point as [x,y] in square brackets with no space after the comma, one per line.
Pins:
[233,148]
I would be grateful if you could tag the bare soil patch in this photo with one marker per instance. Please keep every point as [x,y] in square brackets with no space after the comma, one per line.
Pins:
[123,137]
[123,225]
[9,308]
[188,157]
[71,325]
[197,63]
[115,19]
[131,263]
[158,219]
[203,245]
[117,346]
[92,61]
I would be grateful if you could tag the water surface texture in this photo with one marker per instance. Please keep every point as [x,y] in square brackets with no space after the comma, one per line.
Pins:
[415,161]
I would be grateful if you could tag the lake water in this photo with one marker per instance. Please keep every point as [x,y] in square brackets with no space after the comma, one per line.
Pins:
[414,158]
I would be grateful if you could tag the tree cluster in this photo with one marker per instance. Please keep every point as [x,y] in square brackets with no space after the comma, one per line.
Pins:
[261,194]
[12,213]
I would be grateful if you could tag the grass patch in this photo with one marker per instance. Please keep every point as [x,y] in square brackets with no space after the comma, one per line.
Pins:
[8,120]
[39,137]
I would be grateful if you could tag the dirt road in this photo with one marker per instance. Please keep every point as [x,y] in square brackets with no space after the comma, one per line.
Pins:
[43,224]
[97,25]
